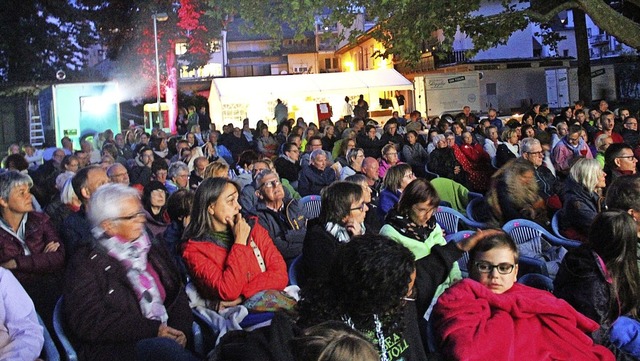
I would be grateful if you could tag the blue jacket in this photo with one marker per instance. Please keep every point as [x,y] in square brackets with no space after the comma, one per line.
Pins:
[312,180]
[388,200]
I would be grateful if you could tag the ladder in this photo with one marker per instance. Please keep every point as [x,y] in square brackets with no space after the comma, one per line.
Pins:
[36,130]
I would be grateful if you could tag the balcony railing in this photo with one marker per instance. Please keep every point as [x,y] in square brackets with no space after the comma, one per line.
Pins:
[451,57]
[599,39]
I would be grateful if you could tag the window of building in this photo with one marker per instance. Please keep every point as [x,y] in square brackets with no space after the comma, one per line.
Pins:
[491,89]
[327,63]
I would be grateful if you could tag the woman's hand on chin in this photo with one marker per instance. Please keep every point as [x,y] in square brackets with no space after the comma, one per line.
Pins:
[240,228]
[354,228]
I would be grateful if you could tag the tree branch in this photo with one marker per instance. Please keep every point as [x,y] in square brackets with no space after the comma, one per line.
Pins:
[624,29]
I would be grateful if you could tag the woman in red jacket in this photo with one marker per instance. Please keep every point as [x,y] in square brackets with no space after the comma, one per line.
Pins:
[475,161]
[230,258]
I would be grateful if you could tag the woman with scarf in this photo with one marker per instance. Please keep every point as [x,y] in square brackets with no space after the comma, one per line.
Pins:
[412,224]
[509,148]
[570,148]
[342,215]
[123,296]
[231,259]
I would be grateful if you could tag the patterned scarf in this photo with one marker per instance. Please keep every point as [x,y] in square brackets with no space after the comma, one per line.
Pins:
[341,233]
[406,227]
[133,256]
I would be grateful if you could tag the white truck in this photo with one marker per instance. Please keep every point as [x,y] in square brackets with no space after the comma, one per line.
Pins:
[439,94]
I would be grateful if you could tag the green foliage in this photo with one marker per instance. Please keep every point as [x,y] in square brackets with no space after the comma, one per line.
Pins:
[39,37]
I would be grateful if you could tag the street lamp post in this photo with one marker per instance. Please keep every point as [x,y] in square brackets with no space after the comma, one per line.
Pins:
[158,17]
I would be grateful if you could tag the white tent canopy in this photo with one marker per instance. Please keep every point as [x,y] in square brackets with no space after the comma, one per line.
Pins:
[256,96]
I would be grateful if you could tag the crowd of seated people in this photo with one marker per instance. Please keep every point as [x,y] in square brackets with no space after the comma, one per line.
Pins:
[117,225]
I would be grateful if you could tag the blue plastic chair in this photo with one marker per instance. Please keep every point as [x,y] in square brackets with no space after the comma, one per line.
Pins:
[310,206]
[538,281]
[58,328]
[472,205]
[49,350]
[523,230]
[555,226]
[430,173]
[294,270]
[449,219]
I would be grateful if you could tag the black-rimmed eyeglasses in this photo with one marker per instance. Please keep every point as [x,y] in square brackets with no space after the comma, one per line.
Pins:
[486,267]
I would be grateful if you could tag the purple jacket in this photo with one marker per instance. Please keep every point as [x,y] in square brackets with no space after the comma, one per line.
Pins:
[39,231]
[20,333]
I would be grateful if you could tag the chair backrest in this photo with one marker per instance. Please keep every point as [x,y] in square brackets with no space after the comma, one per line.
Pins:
[471,206]
[538,281]
[555,226]
[49,349]
[58,329]
[430,173]
[449,219]
[294,270]
[523,230]
[310,206]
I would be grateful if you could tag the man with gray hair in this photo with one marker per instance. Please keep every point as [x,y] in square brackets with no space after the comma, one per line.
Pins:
[549,187]
[177,177]
[317,175]
[280,215]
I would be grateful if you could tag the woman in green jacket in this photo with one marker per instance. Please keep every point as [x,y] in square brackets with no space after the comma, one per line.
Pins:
[412,224]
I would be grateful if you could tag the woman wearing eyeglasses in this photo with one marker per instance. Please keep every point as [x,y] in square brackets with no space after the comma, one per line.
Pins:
[491,317]
[123,296]
[395,181]
[342,213]
[412,223]
[230,258]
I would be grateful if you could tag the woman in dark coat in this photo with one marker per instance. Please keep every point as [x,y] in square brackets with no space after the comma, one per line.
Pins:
[581,201]
[123,297]
[443,162]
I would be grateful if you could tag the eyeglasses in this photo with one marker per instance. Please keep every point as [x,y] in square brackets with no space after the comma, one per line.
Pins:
[182,176]
[359,208]
[630,157]
[272,184]
[129,218]
[535,153]
[486,267]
